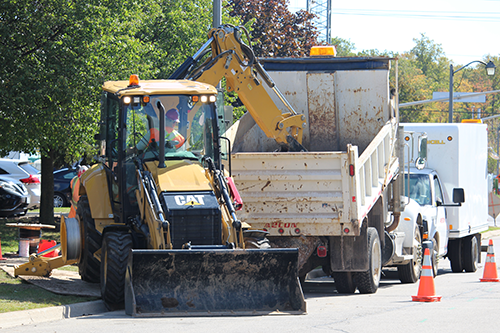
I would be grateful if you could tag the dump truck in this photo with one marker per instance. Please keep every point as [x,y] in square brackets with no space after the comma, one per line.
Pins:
[156,221]
[339,201]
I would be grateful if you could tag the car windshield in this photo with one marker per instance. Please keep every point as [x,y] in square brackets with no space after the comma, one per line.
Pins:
[187,127]
[420,188]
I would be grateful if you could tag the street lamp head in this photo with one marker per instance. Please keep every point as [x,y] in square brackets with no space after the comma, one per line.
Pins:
[490,68]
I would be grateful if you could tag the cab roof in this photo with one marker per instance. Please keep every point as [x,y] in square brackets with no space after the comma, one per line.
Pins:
[159,87]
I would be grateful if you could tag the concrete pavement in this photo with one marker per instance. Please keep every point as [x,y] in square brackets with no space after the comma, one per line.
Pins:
[27,317]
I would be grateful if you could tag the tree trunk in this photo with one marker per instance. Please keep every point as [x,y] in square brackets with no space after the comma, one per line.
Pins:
[47,195]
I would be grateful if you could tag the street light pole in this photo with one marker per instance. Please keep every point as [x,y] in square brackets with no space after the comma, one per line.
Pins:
[450,106]
[490,70]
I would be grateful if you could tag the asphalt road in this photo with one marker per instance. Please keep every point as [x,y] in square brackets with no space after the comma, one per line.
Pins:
[467,305]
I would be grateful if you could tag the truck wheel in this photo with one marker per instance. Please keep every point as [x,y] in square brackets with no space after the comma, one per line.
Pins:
[410,273]
[434,257]
[455,255]
[116,246]
[344,282]
[368,281]
[88,266]
[470,255]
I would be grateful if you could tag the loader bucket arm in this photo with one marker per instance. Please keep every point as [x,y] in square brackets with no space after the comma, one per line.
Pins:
[213,282]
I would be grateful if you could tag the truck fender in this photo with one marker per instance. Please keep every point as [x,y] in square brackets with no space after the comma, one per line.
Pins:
[410,218]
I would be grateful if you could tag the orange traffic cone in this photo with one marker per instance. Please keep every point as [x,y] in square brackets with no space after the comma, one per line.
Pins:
[426,291]
[490,267]
[1,258]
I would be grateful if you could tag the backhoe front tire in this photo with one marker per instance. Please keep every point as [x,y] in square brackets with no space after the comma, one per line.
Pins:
[116,247]
[88,265]
[369,281]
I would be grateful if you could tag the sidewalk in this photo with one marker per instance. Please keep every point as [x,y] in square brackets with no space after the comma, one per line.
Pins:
[34,316]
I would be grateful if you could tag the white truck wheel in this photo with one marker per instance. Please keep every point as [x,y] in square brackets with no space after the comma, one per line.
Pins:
[368,281]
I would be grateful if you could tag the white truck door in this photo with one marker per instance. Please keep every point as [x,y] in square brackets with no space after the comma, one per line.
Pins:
[441,225]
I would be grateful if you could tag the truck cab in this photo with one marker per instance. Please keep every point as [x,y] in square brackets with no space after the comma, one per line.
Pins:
[424,198]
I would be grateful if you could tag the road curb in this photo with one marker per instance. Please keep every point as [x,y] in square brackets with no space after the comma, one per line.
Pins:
[35,316]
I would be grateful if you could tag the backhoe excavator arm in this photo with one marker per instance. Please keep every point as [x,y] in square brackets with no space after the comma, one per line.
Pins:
[234,60]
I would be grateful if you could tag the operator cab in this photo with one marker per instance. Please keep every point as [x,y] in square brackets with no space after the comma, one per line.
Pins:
[130,132]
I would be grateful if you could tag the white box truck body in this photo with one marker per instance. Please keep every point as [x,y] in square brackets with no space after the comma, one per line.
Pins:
[456,158]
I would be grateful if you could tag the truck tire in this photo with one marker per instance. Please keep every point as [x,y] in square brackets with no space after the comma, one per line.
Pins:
[455,255]
[470,250]
[88,265]
[344,282]
[116,247]
[410,273]
[434,257]
[368,281]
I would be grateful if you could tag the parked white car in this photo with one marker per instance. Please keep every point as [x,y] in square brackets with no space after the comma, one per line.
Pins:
[27,174]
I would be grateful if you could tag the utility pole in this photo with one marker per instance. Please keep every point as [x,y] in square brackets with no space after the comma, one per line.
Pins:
[217,13]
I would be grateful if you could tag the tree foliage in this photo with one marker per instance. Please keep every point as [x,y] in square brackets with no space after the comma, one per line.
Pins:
[276,32]
[56,54]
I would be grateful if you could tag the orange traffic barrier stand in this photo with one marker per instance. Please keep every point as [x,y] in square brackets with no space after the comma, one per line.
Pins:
[490,267]
[426,290]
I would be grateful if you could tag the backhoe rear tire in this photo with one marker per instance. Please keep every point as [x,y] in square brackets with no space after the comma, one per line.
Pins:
[369,281]
[88,265]
[116,247]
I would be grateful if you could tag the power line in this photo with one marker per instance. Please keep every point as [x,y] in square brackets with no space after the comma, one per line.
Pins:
[447,15]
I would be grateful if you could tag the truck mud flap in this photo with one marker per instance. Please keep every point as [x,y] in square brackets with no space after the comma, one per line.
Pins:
[213,282]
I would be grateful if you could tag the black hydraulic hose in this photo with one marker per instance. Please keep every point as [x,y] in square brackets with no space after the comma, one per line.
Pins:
[161,158]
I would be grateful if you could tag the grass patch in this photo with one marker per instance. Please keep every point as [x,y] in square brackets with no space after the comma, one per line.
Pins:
[9,236]
[491,229]
[16,295]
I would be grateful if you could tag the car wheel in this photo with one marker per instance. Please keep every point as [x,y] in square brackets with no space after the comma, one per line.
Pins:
[59,200]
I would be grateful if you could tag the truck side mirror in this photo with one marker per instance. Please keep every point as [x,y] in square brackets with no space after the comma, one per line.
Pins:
[458,195]
[422,152]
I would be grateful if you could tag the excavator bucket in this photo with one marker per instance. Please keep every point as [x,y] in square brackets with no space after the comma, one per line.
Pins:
[213,282]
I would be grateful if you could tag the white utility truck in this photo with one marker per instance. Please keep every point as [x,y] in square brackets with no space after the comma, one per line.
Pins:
[338,202]
[456,161]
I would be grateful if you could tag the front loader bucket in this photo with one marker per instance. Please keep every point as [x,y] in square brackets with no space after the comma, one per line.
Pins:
[213,282]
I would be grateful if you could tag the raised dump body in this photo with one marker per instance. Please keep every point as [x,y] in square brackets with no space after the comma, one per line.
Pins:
[325,200]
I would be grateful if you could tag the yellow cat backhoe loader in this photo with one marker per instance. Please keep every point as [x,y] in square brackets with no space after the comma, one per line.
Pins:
[156,224]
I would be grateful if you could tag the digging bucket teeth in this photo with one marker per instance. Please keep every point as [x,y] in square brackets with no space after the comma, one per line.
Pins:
[213,282]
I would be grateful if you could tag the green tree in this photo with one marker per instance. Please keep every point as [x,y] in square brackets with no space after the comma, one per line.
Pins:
[344,47]
[55,55]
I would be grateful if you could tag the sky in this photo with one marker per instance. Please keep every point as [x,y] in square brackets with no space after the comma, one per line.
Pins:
[467,30]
